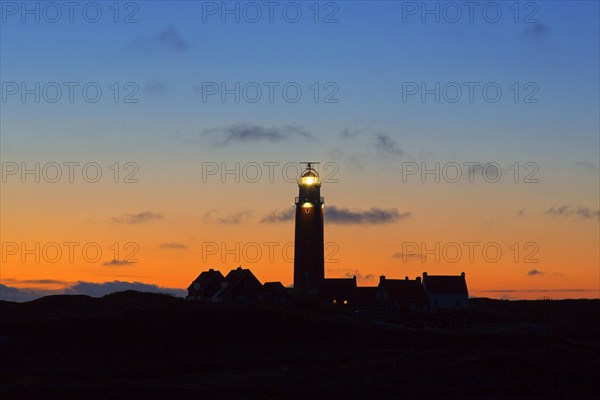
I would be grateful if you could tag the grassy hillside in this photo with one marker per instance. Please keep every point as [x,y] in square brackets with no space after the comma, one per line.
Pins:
[147,346]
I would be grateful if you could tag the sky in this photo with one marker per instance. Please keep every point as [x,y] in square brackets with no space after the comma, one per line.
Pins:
[144,142]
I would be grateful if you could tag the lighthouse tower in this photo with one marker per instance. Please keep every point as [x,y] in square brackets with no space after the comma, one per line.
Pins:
[309,253]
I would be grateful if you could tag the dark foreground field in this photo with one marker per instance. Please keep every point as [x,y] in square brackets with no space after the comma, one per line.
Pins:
[146,346]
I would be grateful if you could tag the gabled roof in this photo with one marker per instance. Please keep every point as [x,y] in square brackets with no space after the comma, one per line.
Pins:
[206,279]
[403,290]
[240,276]
[445,284]
[238,280]
[273,287]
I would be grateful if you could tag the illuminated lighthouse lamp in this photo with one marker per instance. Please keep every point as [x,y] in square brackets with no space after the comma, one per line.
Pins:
[309,184]
[309,177]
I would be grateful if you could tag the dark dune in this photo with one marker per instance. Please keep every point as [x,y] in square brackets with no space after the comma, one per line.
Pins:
[134,345]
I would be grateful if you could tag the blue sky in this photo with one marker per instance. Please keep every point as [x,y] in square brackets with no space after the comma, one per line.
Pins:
[367,54]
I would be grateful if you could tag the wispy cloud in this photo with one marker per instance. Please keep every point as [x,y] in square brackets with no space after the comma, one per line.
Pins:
[156,88]
[233,218]
[117,263]
[535,290]
[278,216]
[173,246]
[373,215]
[406,256]
[585,165]
[535,272]
[348,133]
[248,133]
[386,145]
[537,31]
[351,273]
[144,216]
[35,282]
[568,210]
[337,215]
[168,39]
[352,163]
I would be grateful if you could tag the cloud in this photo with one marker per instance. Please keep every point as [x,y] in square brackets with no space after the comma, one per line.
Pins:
[166,40]
[144,216]
[102,289]
[360,277]
[117,263]
[10,293]
[374,215]
[535,290]
[155,88]
[587,213]
[535,272]
[248,133]
[348,133]
[586,165]
[521,212]
[173,246]
[35,281]
[406,256]
[537,31]
[351,273]
[278,216]
[352,162]
[568,210]
[229,219]
[344,216]
[386,145]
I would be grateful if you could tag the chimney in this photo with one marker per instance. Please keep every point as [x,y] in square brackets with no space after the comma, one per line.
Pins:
[239,268]
[462,274]
[418,279]
[211,270]
[381,278]
[354,277]
[424,275]
[406,278]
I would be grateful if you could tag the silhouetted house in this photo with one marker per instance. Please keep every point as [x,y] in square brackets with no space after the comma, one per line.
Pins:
[446,292]
[338,291]
[366,296]
[205,286]
[273,293]
[239,286]
[401,295]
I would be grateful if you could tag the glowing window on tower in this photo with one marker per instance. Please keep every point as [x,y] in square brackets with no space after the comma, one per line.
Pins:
[307,207]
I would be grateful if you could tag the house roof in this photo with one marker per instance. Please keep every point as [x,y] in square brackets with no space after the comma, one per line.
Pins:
[206,279]
[238,275]
[238,279]
[404,290]
[445,284]
[273,287]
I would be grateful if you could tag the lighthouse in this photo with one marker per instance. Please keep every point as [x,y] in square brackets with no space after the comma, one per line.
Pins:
[309,253]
